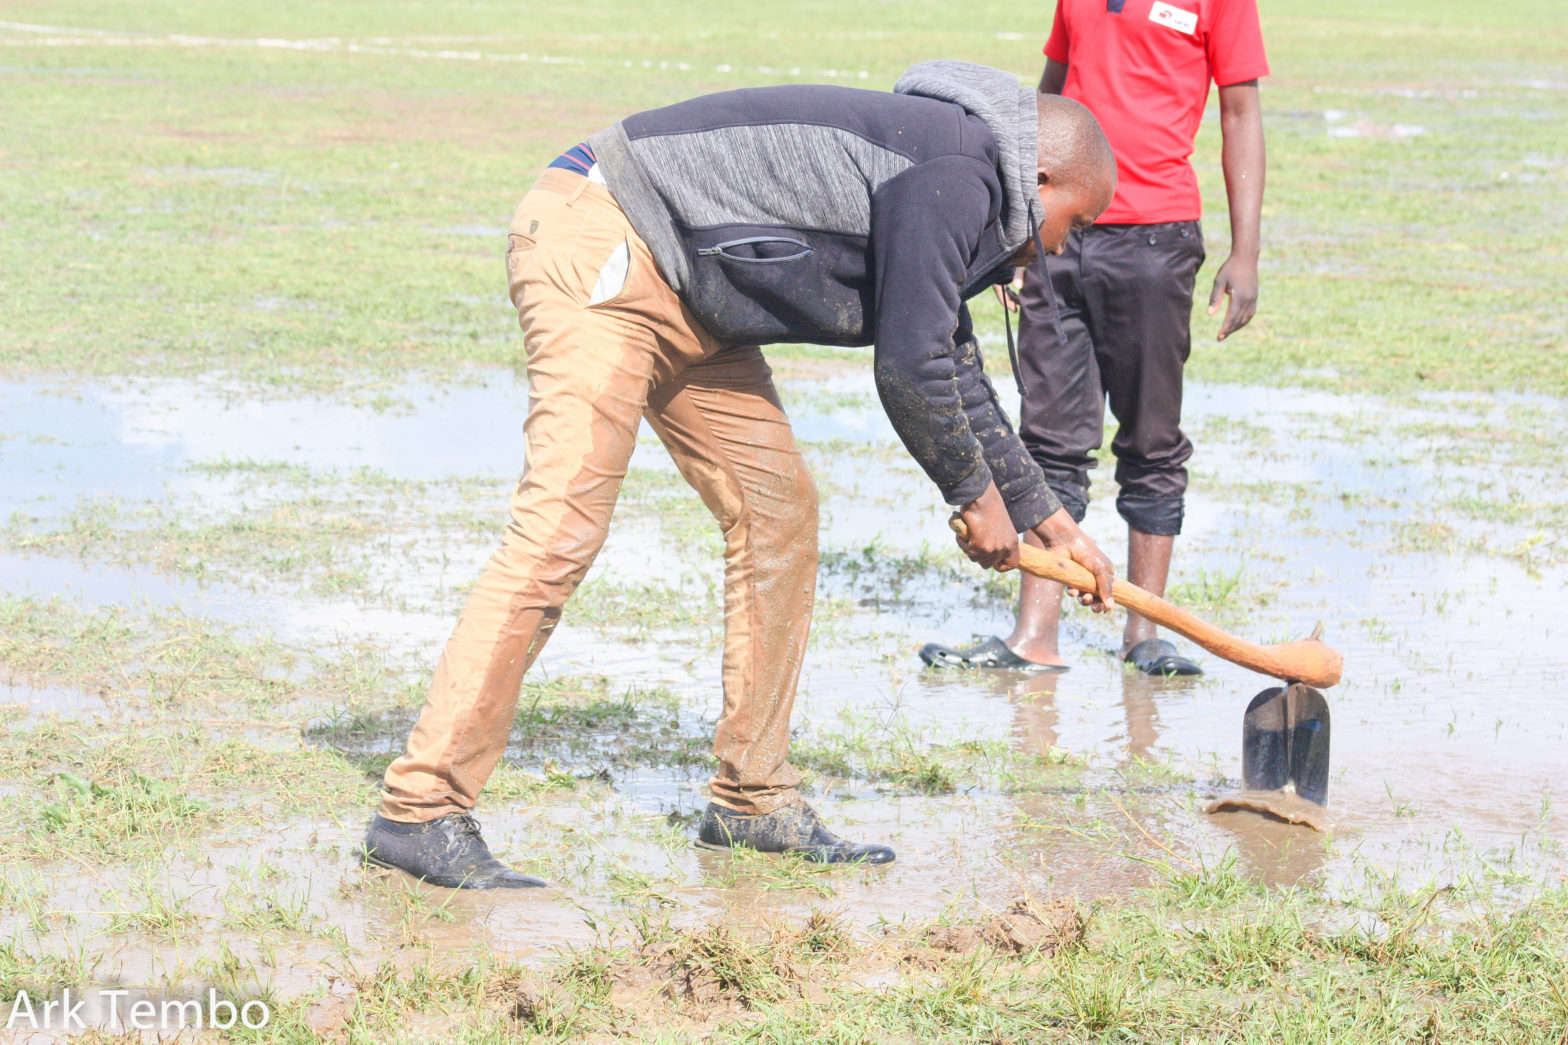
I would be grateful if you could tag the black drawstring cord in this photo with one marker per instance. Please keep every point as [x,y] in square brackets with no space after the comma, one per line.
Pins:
[1012,348]
[1007,314]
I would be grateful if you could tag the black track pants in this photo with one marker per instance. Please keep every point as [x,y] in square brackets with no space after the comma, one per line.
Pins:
[1121,330]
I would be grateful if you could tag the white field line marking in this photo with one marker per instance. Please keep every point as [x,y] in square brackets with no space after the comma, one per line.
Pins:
[63,37]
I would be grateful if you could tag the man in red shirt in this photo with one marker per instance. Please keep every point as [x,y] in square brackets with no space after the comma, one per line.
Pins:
[1110,317]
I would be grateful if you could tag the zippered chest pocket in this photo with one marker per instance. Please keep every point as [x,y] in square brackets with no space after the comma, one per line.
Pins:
[757,285]
[758,250]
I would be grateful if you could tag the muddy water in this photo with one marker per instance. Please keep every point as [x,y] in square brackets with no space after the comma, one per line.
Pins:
[48,700]
[1449,727]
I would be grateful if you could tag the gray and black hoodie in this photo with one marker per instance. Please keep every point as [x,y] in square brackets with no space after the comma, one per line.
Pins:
[839,216]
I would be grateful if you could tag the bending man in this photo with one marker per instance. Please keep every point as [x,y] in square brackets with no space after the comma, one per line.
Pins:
[647,266]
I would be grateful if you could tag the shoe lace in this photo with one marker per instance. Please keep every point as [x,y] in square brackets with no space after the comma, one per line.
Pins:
[468,827]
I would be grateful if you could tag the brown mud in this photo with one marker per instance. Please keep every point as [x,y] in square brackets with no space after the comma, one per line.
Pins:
[1286,806]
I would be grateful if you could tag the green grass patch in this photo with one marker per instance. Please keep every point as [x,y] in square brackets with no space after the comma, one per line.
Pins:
[311,215]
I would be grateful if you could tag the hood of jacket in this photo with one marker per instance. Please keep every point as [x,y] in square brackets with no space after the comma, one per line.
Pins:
[1009,109]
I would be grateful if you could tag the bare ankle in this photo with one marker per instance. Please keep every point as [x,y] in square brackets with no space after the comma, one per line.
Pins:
[1132,636]
[1035,648]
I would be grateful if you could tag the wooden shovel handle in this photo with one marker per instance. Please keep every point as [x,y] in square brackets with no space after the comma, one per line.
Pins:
[1305,660]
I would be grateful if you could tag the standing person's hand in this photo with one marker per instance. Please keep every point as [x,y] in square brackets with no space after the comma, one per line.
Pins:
[992,542]
[1237,281]
[1062,536]
[1007,293]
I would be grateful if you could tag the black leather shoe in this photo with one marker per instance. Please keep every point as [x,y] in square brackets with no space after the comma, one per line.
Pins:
[795,828]
[447,851]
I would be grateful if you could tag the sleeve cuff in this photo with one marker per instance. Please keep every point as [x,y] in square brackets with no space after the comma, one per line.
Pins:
[1033,508]
[1026,512]
[1240,75]
[969,488]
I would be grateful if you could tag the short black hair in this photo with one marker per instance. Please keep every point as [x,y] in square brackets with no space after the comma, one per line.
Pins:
[1073,148]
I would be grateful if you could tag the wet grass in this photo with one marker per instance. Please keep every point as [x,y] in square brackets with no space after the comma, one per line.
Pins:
[654,612]
[571,730]
[265,220]
[1489,484]
[113,818]
[203,747]
[1206,953]
[235,225]
[167,658]
[200,716]
[1218,595]
[1261,966]
[349,535]
[876,576]
[566,729]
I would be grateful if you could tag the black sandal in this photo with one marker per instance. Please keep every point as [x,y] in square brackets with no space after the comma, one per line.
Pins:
[1158,657]
[990,655]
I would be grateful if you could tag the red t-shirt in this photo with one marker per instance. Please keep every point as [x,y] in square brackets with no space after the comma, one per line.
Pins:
[1143,68]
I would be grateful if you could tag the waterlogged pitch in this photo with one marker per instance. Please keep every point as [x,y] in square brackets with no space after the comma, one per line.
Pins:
[260,411]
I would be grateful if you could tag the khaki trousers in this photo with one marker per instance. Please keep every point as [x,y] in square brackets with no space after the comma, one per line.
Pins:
[594,371]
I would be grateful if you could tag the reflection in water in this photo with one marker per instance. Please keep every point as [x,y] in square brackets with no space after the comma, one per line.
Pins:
[1142,711]
[1036,717]
[1276,852]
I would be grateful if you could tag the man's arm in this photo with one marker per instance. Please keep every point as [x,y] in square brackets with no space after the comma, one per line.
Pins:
[1054,78]
[925,225]
[925,228]
[1017,478]
[1242,157]
[1017,493]
[1057,532]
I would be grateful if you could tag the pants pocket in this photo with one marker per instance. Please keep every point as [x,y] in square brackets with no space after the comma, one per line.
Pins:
[519,251]
[612,276]
[1191,237]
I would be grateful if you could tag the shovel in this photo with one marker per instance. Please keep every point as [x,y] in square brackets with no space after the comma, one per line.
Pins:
[1285,731]
[1284,757]
[1305,660]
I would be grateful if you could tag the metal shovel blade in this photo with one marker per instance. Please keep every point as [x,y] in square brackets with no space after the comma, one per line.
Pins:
[1284,756]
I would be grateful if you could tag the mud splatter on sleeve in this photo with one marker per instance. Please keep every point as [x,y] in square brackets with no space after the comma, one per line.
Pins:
[1018,478]
[925,224]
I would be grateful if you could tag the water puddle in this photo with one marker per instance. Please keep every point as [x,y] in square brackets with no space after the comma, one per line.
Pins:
[34,701]
[1341,125]
[1417,532]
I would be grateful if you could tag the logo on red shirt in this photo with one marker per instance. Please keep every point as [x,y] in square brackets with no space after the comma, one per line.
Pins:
[1174,17]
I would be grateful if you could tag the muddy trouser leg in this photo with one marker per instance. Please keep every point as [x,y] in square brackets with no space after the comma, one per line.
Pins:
[1137,283]
[1062,414]
[723,424]
[590,370]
